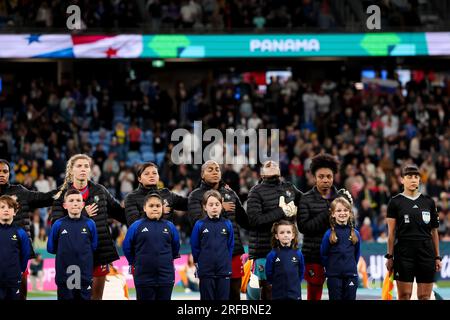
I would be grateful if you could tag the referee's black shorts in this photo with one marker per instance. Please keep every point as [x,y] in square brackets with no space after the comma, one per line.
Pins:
[414,259]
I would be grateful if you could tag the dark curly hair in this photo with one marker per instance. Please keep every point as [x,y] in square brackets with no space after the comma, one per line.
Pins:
[324,160]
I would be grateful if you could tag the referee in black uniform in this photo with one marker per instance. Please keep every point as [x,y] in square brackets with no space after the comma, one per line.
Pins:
[413,242]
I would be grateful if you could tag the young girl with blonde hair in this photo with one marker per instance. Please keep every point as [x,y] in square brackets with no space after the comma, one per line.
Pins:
[340,251]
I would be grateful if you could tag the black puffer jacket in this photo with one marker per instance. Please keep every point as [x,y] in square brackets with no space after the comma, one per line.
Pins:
[108,207]
[238,217]
[28,201]
[263,210]
[313,220]
[134,203]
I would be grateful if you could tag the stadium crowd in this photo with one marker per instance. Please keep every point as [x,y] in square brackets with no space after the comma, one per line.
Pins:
[203,15]
[370,132]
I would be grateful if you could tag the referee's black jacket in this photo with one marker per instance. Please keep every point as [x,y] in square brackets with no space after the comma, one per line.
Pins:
[108,207]
[313,220]
[263,210]
[134,203]
[28,201]
[238,217]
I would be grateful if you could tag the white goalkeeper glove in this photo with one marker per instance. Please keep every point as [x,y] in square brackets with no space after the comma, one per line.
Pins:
[289,209]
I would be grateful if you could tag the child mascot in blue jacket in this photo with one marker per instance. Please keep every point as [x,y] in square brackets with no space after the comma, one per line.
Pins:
[285,265]
[73,239]
[15,248]
[150,246]
[340,251]
[212,243]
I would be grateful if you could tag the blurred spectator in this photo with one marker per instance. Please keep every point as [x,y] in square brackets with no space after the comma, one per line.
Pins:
[36,224]
[309,105]
[99,156]
[126,179]
[246,107]
[42,184]
[259,21]
[96,173]
[40,241]
[134,136]
[443,224]
[110,166]
[37,273]
[366,230]
[190,13]
[326,19]
[364,211]
[120,140]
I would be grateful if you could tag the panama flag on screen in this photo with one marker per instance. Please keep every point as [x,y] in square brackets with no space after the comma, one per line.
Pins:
[99,46]
[36,46]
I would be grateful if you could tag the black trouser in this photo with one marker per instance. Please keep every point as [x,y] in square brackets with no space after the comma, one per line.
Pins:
[215,288]
[74,294]
[342,288]
[9,293]
[154,292]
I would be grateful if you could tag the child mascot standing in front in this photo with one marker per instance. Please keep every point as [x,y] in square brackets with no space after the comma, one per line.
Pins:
[73,239]
[340,251]
[150,246]
[285,265]
[15,250]
[212,243]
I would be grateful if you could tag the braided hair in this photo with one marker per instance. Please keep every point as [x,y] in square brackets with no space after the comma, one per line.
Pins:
[333,237]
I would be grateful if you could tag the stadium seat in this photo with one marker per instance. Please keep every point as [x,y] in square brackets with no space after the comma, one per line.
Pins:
[160,158]
[146,148]
[148,156]
[148,134]
[118,109]
[133,157]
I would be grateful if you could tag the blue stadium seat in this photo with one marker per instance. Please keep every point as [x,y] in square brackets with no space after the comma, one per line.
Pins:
[160,158]
[133,157]
[146,148]
[147,138]
[148,156]
[94,141]
[95,135]
[109,135]
[118,109]
[45,153]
